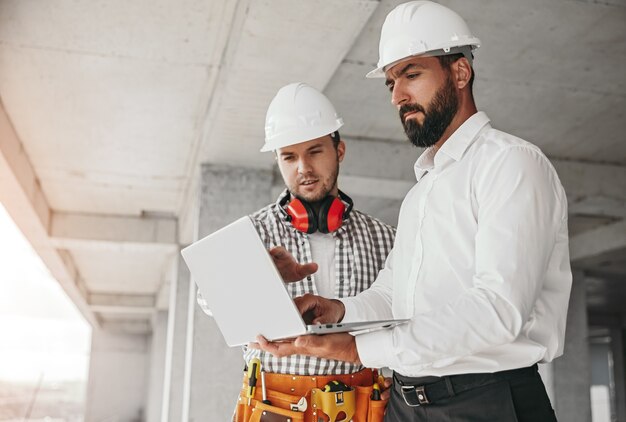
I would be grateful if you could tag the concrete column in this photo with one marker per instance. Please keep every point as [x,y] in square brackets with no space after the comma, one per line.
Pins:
[173,385]
[157,367]
[572,371]
[118,366]
[227,193]
[619,375]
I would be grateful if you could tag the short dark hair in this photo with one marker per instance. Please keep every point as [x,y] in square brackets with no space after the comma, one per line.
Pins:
[446,61]
[336,138]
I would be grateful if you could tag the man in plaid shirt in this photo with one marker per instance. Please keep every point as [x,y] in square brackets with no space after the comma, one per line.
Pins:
[315,222]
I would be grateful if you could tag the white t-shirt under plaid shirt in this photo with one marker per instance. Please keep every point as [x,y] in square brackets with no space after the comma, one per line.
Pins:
[362,244]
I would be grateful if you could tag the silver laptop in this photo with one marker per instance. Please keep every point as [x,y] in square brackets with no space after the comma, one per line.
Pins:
[246,294]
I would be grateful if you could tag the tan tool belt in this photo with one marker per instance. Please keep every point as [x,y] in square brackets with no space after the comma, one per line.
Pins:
[286,391]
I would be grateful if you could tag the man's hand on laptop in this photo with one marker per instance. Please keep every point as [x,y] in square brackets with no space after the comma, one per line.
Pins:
[289,269]
[319,310]
[330,346]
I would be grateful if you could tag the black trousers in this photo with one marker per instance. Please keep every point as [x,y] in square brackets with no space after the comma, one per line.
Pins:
[508,396]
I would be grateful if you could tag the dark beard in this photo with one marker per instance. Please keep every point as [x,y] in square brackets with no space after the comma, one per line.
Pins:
[441,111]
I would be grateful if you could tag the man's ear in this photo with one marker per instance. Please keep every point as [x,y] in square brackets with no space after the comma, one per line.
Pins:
[462,72]
[341,151]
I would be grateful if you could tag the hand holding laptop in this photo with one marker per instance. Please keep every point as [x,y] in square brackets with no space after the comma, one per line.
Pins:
[315,310]
[340,346]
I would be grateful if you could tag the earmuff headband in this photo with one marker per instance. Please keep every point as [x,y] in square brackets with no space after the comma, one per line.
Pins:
[301,214]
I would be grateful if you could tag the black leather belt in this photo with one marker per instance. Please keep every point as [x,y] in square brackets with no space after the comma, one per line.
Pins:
[423,391]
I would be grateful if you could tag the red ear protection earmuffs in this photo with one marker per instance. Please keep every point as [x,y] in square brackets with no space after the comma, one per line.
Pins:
[331,214]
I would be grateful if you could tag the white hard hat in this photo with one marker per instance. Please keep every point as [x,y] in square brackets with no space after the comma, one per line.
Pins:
[298,113]
[422,28]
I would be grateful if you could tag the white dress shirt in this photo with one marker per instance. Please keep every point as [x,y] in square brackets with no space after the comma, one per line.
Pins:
[480,262]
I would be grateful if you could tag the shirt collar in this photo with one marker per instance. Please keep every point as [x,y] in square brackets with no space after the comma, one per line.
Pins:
[281,197]
[453,148]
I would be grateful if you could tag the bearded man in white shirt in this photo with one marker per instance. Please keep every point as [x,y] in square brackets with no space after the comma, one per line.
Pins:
[480,262]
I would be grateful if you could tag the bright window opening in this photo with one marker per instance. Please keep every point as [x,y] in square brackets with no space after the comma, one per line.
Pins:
[44,340]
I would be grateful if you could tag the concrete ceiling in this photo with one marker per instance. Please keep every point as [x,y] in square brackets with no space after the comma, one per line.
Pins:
[108,109]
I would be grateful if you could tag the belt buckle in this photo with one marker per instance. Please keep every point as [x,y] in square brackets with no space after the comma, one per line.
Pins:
[418,391]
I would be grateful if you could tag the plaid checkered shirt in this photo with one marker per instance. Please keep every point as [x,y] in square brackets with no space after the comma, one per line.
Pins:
[362,244]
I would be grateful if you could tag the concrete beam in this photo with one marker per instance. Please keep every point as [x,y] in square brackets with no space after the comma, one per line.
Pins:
[379,158]
[368,187]
[599,205]
[585,183]
[369,160]
[127,327]
[588,180]
[598,241]
[26,203]
[123,310]
[373,187]
[72,271]
[88,230]
[122,303]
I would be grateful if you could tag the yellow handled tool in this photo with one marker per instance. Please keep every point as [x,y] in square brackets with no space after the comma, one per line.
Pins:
[381,380]
[375,391]
[254,369]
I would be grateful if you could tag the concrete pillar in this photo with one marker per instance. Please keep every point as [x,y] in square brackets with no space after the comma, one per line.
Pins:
[619,374]
[174,380]
[572,371]
[116,390]
[227,193]
[157,367]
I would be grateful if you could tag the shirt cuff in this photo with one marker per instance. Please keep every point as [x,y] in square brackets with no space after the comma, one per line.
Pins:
[350,314]
[372,351]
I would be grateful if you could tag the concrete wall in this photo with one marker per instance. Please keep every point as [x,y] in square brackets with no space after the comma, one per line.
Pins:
[118,375]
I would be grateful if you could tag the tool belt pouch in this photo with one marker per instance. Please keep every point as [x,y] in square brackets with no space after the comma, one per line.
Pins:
[258,411]
[333,403]
[367,409]
[268,413]
[358,401]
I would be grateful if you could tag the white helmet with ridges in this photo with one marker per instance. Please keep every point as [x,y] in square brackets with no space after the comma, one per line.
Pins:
[422,28]
[298,113]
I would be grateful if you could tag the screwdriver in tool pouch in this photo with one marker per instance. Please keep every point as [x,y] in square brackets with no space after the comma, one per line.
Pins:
[263,390]
[375,391]
[254,369]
